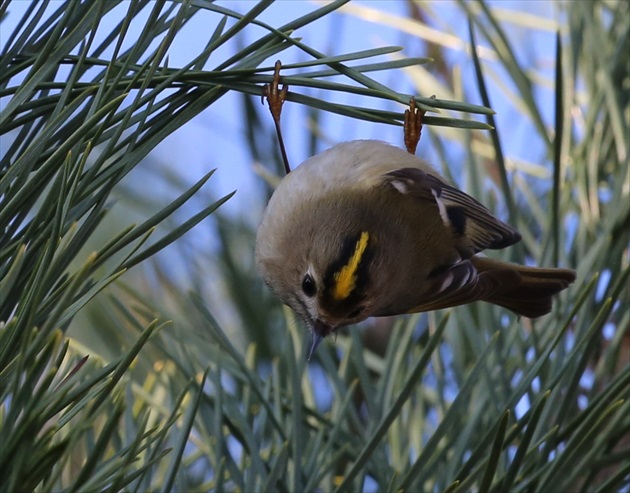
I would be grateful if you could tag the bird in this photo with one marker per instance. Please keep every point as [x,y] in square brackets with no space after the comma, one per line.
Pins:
[365,229]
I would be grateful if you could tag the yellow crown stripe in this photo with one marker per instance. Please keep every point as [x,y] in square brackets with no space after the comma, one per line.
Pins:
[346,278]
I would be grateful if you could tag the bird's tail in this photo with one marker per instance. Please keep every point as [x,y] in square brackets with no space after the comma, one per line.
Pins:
[531,297]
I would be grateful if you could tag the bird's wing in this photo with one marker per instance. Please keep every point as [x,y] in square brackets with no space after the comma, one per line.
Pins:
[474,226]
[461,283]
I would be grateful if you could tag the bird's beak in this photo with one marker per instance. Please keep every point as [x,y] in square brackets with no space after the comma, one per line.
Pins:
[320,330]
[316,339]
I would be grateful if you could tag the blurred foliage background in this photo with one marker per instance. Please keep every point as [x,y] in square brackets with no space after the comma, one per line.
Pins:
[139,350]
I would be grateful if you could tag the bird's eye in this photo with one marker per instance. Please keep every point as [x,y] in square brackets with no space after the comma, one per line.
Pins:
[308,286]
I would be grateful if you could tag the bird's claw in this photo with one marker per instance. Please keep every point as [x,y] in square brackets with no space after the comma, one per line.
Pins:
[413,126]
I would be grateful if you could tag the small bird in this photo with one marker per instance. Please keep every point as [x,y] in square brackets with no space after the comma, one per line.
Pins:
[365,229]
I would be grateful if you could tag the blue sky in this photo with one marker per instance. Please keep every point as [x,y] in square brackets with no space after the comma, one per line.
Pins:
[215,138]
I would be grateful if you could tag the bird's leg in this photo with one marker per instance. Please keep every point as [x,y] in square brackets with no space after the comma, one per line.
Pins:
[412,126]
[275,97]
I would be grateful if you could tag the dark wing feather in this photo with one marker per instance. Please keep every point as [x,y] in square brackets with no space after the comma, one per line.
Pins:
[482,228]
[461,283]
[473,225]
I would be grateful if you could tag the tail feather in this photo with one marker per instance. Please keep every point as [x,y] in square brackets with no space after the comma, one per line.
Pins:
[532,296]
